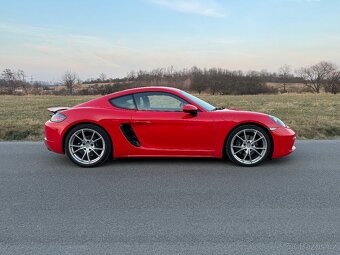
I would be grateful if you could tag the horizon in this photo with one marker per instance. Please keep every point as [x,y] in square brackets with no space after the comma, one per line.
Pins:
[46,38]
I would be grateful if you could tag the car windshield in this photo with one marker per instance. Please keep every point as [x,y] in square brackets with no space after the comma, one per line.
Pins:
[200,102]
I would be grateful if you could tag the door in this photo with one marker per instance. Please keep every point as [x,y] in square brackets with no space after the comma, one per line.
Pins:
[162,128]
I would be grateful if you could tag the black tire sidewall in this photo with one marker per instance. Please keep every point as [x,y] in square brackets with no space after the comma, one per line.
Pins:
[238,129]
[102,132]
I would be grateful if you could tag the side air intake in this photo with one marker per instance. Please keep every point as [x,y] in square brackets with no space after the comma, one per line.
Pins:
[130,134]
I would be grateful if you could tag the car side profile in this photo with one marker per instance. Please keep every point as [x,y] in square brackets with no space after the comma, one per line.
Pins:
[163,122]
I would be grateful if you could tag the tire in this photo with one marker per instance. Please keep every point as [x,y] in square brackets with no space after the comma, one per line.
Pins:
[92,151]
[248,145]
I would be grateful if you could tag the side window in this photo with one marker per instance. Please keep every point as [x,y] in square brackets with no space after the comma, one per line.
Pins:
[159,101]
[125,102]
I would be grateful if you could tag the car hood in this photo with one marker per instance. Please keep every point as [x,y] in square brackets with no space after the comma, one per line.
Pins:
[242,114]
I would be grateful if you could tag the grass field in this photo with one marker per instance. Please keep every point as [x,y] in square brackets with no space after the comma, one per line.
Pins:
[311,116]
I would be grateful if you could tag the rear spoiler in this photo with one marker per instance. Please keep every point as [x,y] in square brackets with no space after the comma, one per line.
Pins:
[54,110]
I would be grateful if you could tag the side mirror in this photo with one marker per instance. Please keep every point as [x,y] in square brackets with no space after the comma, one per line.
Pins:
[189,108]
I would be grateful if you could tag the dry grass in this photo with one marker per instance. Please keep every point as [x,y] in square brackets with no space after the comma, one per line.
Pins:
[23,117]
[312,116]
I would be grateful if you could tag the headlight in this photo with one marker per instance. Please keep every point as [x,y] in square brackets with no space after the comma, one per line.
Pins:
[58,117]
[277,121]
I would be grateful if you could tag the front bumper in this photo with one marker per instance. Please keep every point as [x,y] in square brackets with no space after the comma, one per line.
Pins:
[284,140]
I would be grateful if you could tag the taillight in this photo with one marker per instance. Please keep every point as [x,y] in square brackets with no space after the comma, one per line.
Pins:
[58,117]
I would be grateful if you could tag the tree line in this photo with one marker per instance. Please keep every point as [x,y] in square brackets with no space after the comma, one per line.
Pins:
[323,76]
[15,82]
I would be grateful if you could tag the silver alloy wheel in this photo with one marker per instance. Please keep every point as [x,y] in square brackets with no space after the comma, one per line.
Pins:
[249,146]
[86,146]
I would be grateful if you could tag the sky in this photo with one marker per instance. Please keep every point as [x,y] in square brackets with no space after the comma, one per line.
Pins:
[46,38]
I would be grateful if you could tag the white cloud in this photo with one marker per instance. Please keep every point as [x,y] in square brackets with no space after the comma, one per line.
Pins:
[200,7]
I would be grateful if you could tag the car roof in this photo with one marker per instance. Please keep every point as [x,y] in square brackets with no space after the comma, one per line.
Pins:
[142,89]
[146,89]
[130,91]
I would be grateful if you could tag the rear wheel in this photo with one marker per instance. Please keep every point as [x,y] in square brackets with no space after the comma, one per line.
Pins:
[88,145]
[248,145]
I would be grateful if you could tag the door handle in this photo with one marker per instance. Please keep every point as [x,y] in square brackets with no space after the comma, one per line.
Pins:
[142,122]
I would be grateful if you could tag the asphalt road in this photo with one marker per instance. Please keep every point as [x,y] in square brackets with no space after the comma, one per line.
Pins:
[169,206]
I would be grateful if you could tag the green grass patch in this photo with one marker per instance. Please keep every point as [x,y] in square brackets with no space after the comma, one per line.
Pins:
[311,116]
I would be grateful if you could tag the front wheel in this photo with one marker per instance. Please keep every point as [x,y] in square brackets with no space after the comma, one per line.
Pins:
[87,145]
[248,145]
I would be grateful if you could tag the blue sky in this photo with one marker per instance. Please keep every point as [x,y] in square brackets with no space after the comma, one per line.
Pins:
[45,38]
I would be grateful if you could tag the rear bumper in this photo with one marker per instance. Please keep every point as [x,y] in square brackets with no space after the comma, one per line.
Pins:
[53,138]
[284,140]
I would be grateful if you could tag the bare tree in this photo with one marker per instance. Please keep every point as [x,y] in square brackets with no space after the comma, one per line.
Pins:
[21,75]
[333,82]
[131,76]
[10,80]
[214,79]
[79,81]
[21,80]
[314,76]
[285,74]
[198,81]
[36,87]
[69,79]
[102,77]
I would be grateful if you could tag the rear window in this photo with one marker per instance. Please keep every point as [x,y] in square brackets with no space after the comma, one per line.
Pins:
[124,102]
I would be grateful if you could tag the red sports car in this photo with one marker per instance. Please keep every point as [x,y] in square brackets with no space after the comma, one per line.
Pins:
[163,122]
